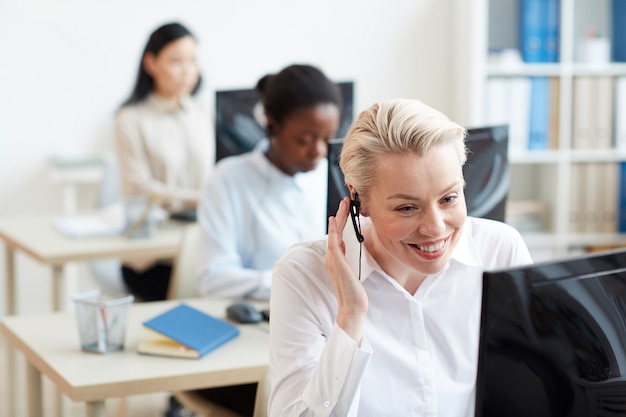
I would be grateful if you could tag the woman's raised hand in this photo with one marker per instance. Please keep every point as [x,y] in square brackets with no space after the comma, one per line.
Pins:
[351,296]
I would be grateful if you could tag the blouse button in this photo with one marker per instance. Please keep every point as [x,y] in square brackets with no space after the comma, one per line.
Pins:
[326,404]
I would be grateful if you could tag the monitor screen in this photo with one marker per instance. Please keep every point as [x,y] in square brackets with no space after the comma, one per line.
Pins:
[486,173]
[553,339]
[237,130]
[337,188]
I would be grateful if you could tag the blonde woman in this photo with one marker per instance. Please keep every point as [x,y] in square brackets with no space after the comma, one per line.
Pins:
[382,318]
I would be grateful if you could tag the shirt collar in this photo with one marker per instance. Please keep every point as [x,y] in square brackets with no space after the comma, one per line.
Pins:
[465,251]
[166,106]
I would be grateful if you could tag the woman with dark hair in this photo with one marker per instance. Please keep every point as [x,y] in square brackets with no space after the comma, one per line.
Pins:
[164,142]
[254,206]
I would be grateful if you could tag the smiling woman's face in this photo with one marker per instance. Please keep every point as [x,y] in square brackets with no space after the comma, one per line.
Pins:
[417,208]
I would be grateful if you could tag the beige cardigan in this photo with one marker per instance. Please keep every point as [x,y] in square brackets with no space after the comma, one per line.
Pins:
[164,151]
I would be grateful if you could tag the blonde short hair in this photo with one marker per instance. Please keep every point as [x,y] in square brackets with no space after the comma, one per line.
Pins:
[399,127]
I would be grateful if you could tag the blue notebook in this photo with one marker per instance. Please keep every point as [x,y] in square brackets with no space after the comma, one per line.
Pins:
[186,332]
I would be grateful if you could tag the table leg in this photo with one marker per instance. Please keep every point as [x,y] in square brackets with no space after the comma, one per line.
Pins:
[70,199]
[11,378]
[59,293]
[9,259]
[96,409]
[11,353]
[59,303]
[34,395]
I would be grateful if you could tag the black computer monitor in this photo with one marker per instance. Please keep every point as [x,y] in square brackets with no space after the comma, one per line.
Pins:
[553,339]
[337,188]
[486,173]
[238,131]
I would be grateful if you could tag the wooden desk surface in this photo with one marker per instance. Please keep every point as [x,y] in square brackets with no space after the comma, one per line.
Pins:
[36,235]
[50,343]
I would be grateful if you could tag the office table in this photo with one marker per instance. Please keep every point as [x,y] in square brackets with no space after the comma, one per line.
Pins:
[51,346]
[36,236]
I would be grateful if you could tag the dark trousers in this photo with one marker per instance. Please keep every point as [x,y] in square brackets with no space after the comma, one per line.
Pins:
[148,285]
[239,398]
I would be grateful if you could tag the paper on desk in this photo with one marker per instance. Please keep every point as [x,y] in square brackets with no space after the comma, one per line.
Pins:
[107,222]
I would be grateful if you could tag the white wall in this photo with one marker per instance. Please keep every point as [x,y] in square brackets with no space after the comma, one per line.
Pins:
[65,65]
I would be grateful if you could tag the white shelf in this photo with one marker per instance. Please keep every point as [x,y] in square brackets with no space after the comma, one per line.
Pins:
[545,176]
[536,157]
[525,70]
[596,239]
[555,70]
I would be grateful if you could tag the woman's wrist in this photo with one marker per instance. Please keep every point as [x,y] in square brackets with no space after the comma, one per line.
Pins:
[352,324]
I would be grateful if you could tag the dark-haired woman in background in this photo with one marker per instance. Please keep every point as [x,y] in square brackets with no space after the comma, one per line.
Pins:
[254,206]
[164,141]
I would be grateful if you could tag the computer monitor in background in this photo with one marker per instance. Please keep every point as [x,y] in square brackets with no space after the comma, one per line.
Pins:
[486,173]
[553,339]
[337,188]
[238,131]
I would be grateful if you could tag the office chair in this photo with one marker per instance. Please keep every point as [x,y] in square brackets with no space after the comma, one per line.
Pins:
[108,272]
[185,271]
[183,285]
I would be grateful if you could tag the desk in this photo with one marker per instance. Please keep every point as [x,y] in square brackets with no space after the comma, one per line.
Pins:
[36,237]
[51,346]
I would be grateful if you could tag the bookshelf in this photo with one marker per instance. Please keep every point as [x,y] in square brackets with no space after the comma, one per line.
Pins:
[550,180]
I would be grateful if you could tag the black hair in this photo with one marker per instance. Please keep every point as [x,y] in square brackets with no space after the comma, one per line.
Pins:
[293,88]
[160,38]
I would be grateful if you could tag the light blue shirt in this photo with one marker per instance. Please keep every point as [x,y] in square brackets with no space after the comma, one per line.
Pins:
[250,213]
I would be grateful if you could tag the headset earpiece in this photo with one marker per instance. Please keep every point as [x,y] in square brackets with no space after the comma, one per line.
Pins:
[355,208]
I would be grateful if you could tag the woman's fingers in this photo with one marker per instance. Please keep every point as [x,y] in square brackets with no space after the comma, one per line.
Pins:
[351,296]
[335,227]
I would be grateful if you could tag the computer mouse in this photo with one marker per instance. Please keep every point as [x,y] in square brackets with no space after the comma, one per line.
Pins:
[243,312]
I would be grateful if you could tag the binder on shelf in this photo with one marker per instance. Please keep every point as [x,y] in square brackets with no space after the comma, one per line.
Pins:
[552,31]
[603,112]
[593,112]
[620,113]
[592,197]
[508,102]
[555,112]
[185,332]
[540,30]
[539,113]
[499,102]
[622,198]
[577,200]
[618,35]
[609,202]
[583,119]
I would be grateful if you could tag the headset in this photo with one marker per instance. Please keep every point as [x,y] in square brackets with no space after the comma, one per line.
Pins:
[355,208]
